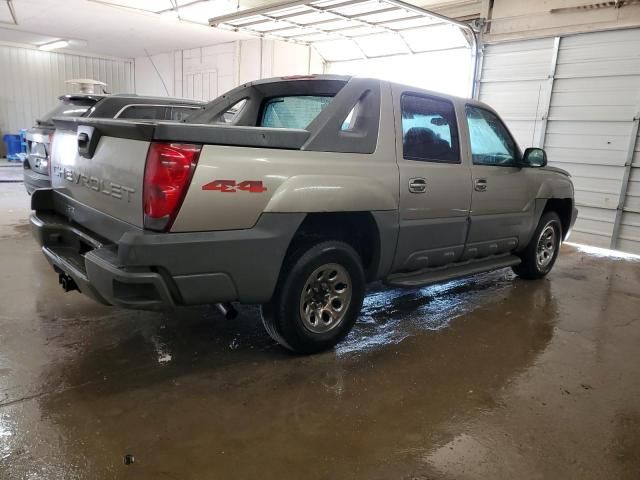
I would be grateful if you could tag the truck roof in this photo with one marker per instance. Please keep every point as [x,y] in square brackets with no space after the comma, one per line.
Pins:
[345,79]
[149,99]
[322,84]
[132,96]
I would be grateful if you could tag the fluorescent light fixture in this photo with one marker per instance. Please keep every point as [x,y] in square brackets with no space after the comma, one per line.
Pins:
[54,45]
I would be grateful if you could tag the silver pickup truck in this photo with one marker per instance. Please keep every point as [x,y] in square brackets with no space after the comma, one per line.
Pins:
[309,189]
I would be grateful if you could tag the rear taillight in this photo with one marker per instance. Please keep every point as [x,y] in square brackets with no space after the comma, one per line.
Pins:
[167,175]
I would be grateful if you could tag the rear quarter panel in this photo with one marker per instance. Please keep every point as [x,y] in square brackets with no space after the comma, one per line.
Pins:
[295,181]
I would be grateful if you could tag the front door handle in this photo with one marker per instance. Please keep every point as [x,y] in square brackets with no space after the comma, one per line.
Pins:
[417,185]
[480,184]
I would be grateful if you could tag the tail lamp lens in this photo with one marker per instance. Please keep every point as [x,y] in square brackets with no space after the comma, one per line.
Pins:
[167,175]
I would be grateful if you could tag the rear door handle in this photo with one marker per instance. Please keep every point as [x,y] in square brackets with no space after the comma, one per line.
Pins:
[480,184]
[417,185]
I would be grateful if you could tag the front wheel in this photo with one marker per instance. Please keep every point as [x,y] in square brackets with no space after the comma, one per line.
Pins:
[318,297]
[540,255]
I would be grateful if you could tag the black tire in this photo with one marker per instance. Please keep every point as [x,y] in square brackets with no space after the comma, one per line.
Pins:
[531,268]
[283,316]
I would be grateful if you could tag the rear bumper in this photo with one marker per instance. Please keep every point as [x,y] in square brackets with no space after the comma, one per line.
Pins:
[97,272]
[146,270]
[34,180]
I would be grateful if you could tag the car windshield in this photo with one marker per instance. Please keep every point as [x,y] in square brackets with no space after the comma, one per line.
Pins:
[75,107]
[293,111]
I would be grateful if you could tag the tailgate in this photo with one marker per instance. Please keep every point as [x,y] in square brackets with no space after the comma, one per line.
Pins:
[100,163]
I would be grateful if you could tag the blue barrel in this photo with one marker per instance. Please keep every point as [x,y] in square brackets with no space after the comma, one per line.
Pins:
[13,145]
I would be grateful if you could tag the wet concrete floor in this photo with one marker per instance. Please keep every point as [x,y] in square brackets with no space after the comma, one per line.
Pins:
[490,377]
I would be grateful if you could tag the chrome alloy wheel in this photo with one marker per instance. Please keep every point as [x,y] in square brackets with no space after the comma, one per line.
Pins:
[325,298]
[547,245]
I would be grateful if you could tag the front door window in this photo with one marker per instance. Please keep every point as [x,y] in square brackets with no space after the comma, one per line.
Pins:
[491,143]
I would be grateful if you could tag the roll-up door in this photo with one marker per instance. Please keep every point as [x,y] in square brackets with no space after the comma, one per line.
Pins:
[589,124]
[594,108]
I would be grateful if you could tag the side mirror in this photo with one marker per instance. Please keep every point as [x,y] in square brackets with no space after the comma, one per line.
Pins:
[534,157]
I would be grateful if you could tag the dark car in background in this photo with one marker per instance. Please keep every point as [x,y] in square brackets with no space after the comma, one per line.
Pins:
[122,106]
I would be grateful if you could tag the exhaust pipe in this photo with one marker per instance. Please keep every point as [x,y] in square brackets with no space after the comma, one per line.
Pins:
[68,283]
[227,310]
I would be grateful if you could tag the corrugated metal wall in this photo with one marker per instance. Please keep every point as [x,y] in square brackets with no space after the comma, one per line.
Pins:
[209,71]
[596,96]
[31,81]
[585,124]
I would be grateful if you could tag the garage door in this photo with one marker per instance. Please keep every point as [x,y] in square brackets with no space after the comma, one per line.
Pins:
[591,126]
[594,109]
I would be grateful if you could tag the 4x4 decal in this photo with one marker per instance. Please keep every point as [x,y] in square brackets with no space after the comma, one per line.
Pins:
[230,186]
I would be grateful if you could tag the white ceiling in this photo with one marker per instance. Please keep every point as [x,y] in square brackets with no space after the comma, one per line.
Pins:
[109,30]
[129,28]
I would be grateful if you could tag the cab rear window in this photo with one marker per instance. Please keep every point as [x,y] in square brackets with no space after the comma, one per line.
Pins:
[295,111]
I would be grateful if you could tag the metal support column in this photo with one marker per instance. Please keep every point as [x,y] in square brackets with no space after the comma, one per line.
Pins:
[633,139]
[546,106]
[478,60]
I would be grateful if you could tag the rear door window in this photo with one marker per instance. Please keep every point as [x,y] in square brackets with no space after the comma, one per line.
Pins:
[429,130]
[292,111]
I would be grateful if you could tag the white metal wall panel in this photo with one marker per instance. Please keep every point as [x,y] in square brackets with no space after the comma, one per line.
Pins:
[596,95]
[515,81]
[209,71]
[31,81]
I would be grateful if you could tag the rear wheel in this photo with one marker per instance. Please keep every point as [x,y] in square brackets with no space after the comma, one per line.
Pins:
[317,299]
[540,255]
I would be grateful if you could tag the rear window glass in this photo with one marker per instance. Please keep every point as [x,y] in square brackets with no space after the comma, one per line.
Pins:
[230,115]
[144,112]
[292,111]
[180,113]
[69,108]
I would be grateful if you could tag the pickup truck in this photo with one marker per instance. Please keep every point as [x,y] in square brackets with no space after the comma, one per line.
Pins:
[311,188]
